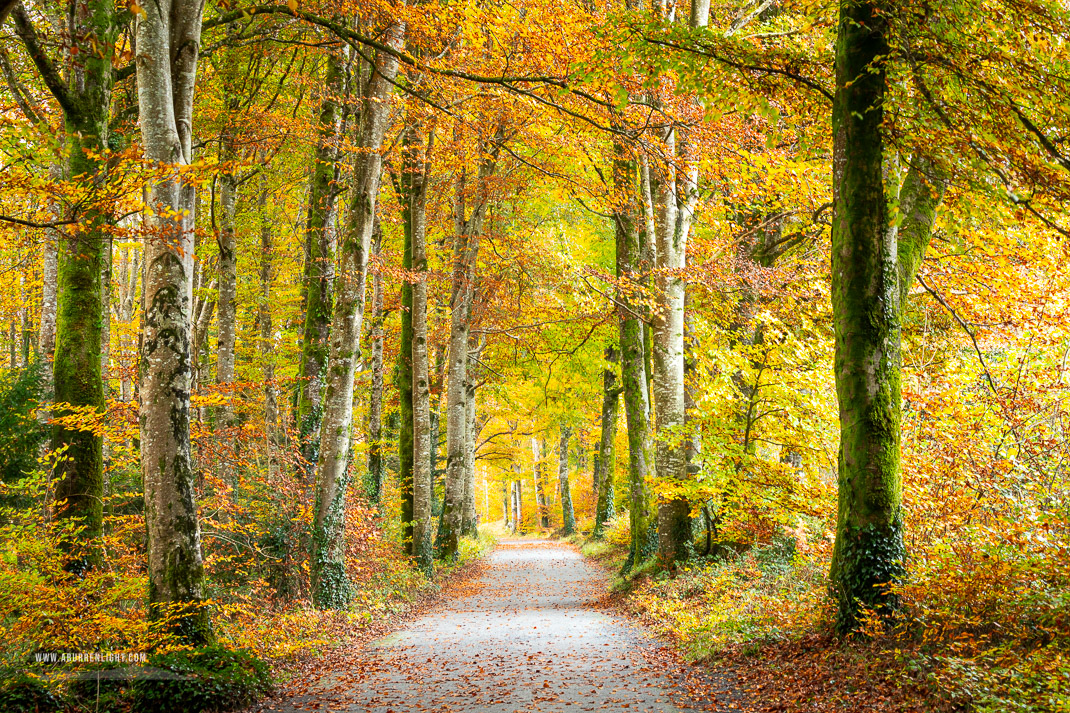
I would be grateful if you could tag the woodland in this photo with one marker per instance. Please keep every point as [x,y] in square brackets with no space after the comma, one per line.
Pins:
[763,304]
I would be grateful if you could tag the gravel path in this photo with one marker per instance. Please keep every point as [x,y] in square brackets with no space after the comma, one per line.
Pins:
[527,636]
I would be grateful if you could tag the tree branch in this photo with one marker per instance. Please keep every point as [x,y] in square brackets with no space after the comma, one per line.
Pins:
[24,29]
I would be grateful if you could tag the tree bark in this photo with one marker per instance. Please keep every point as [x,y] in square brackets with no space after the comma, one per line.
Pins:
[415,176]
[536,474]
[267,336]
[633,361]
[374,488]
[85,97]
[226,325]
[869,551]
[518,505]
[568,515]
[470,520]
[320,239]
[605,462]
[467,234]
[677,198]
[507,512]
[919,199]
[168,42]
[330,583]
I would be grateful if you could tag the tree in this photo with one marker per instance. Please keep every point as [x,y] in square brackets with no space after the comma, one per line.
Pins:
[468,230]
[568,515]
[320,240]
[168,39]
[82,254]
[605,459]
[330,583]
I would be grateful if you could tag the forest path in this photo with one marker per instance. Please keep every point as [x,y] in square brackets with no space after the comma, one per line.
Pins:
[528,635]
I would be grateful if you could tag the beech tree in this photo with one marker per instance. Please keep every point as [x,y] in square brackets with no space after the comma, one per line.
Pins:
[330,582]
[168,40]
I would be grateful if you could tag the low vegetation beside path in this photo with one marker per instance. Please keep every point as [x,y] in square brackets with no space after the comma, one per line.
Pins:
[986,633]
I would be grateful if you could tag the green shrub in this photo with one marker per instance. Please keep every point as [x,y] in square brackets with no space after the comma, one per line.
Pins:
[21,692]
[211,678]
[21,434]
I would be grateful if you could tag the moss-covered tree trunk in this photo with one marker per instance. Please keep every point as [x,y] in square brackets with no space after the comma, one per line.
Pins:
[376,470]
[330,582]
[868,554]
[633,356]
[168,41]
[605,460]
[320,241]
[81,257]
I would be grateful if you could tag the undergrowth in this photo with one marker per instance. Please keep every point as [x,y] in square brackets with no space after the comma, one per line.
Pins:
[984,627]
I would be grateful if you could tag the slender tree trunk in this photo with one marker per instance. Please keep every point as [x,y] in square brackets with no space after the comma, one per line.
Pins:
[226,325]
[605,460]
[518,505]
[320,239]
[330,583]
[633,361]
[267,336]
[168,41]
[374,487]
[919,199]
[46,339]
[422,441]
[568,515]
[507,512]
[540,493]
[869,551]
[467,234]
[470,520]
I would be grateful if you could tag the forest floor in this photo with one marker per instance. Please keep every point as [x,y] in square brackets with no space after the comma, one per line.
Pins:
[531,631]
[811,671]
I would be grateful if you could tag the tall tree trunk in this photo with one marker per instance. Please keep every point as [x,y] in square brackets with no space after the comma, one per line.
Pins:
[540,493]
[127,282]
[422,433]
[470,520]
[507,510]
[168,41]
[518,505]
[677,198]
[330,583]
[605,461]
[869,551]
[633,360]
[404,377]
[46,336]
[320,239]
[568,515]
[267,336]
[226,325]
[374,488]
[467,234]
[85,98]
